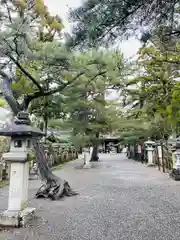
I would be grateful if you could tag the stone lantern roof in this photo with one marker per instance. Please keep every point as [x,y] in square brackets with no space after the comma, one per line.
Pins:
[149,142]
[21,127]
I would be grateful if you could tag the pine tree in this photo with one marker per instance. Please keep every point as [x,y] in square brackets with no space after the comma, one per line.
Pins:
[104,21]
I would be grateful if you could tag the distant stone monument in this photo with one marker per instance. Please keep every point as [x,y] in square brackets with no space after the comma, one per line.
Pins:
[150,146]
[175,174]
[87,157]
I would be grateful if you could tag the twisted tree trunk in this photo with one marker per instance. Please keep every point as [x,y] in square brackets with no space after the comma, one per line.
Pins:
[54,187]
[94,156]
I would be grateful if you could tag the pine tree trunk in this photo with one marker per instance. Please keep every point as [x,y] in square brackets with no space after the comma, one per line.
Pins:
[53,187]
[94,156]
[45,124]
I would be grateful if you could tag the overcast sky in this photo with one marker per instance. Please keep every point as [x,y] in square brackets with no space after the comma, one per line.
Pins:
[129,47]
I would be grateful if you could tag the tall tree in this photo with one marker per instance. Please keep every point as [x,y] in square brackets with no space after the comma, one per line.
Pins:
[103,21]
[153,91]
[89,115]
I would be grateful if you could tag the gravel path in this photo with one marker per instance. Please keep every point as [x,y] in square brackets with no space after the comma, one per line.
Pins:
[119,200]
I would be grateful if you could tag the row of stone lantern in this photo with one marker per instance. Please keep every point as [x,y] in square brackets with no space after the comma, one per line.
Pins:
[150,147]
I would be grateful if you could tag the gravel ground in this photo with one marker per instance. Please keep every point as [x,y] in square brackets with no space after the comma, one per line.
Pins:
[119,199]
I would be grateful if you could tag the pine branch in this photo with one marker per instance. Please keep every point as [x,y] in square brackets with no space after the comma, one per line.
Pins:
[28,98]
[26,73]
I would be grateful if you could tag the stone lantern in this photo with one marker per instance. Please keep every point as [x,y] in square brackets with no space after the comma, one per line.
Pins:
[21,133]
[175,174]
[150,146]
[86,157]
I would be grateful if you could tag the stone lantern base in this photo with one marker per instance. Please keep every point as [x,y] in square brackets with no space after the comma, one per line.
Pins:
[18,213]
[87,163]
[175,174]
[87,166]
[16,219]
[150,165]
[87,158]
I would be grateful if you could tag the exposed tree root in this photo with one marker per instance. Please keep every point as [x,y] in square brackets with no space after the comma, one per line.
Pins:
[55,191]
[54,187]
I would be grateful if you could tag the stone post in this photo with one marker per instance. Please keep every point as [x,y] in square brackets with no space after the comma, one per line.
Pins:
[173,158]
[87,158]
[150,149]
[175,174]
[21,134]
[8,170]
[1,171]
[160,154]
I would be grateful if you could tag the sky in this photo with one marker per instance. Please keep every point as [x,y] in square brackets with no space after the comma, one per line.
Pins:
[128,47]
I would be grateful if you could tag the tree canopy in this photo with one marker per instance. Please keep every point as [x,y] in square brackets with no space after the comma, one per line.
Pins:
[49,79]
[35,65]
[90,112]
[152,94]
[105,21]
[56,82]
